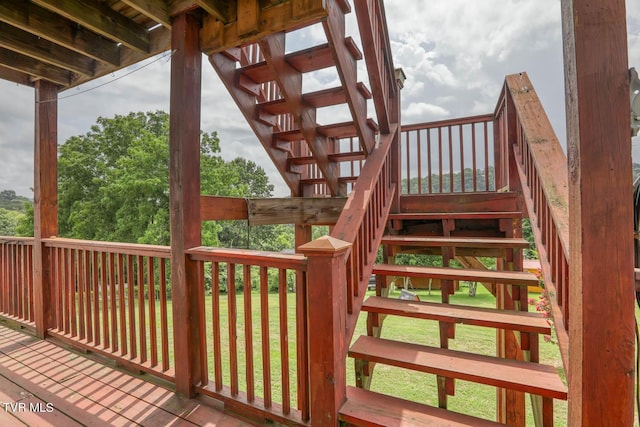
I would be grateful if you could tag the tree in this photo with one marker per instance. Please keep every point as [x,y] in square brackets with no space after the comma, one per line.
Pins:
[9,222]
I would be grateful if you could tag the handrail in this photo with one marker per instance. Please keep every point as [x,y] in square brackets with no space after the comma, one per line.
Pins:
[372,23]
[542,168]
[115,247]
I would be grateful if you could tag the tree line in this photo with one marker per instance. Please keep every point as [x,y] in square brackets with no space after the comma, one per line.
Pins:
[113,185]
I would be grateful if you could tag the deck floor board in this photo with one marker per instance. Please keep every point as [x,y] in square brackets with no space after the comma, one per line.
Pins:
[85,392]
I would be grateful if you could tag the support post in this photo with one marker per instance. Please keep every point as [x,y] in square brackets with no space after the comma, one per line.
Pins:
[326,273]
[45,203]
[601,288]
[184,187]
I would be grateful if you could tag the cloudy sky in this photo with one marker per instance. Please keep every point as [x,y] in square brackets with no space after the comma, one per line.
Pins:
[455,54]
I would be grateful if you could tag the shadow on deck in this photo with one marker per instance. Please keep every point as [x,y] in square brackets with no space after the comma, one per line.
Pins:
[43,384]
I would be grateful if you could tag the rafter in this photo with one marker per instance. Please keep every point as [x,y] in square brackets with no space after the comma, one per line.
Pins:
[102,19]
[290,82]
[215,36]
[226,69]
[159,41]
[154,9]
[42,23]
[27,44]
[14,76]
[34,67]
[219,9]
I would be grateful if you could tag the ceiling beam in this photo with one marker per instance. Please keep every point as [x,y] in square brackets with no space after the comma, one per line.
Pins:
[219,9]
[42,23]
[102,19]
[30,45]
[34,67]
[154,9]
[159,41]
[288,15]
[15,76]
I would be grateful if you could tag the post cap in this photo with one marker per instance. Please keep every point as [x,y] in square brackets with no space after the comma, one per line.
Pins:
[324,244]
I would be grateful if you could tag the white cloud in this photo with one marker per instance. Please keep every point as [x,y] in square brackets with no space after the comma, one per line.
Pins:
[424,110]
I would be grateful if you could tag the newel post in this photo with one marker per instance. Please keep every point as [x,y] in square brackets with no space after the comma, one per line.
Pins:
[327,317]
[45,203]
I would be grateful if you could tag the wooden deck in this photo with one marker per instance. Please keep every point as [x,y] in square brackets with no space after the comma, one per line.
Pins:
[42,384]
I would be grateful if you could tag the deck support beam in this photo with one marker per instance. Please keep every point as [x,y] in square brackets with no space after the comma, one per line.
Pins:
[45,203]
[184,187]
[601,299]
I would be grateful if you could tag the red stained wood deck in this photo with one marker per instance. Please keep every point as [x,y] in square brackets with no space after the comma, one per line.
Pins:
[81,391]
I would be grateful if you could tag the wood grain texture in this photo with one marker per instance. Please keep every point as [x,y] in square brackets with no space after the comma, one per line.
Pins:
[601,324]
[184,187]
[45,210]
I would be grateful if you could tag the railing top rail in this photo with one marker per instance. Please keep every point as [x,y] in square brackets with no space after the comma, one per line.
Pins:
[14,239]
[249,257]
[113,247]
[546,151]
[449,122]
[347,227]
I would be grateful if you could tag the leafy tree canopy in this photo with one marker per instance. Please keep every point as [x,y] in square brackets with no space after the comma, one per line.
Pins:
[113,185]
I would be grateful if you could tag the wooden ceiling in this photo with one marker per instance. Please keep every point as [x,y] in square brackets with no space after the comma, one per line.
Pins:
[70,42]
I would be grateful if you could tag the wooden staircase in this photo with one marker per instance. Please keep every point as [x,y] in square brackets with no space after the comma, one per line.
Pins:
[266,83]
[495,237]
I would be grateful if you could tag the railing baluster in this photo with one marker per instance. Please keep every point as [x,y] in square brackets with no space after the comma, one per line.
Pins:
[153,338]
[233,334]
[266,345]
[284,342]
[248,332]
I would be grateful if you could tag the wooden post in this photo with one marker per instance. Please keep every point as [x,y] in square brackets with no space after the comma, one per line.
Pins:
[326,273]
[45,203]
[601,288]
[184,186]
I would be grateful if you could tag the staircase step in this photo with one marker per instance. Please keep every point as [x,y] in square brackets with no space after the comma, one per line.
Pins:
[456,242]
[454,215]
[342,179]
[522,278]
[492,318]
[367,408]
[515,375]
[338,157]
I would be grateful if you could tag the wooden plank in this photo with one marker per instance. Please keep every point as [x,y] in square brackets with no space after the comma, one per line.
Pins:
[521,278]
[416,216]
[248,17]
[501,319]
[156,251]
[468,202]
[216,37]
[35,68]
[216,208]
[45,206]
[295,210]
[456,242]
[35,47]
[184,184]
[372,409]
[50,26]
[102,19]
[154,9]
[15,76]
[528,377]
[600,179]
[247,256]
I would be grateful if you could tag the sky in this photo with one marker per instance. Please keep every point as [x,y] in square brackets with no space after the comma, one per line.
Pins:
[455,54]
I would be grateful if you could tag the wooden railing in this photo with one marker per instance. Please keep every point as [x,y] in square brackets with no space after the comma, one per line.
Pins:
[542,169]
[249,362]
[449,156]
[113,299]
[16,279]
